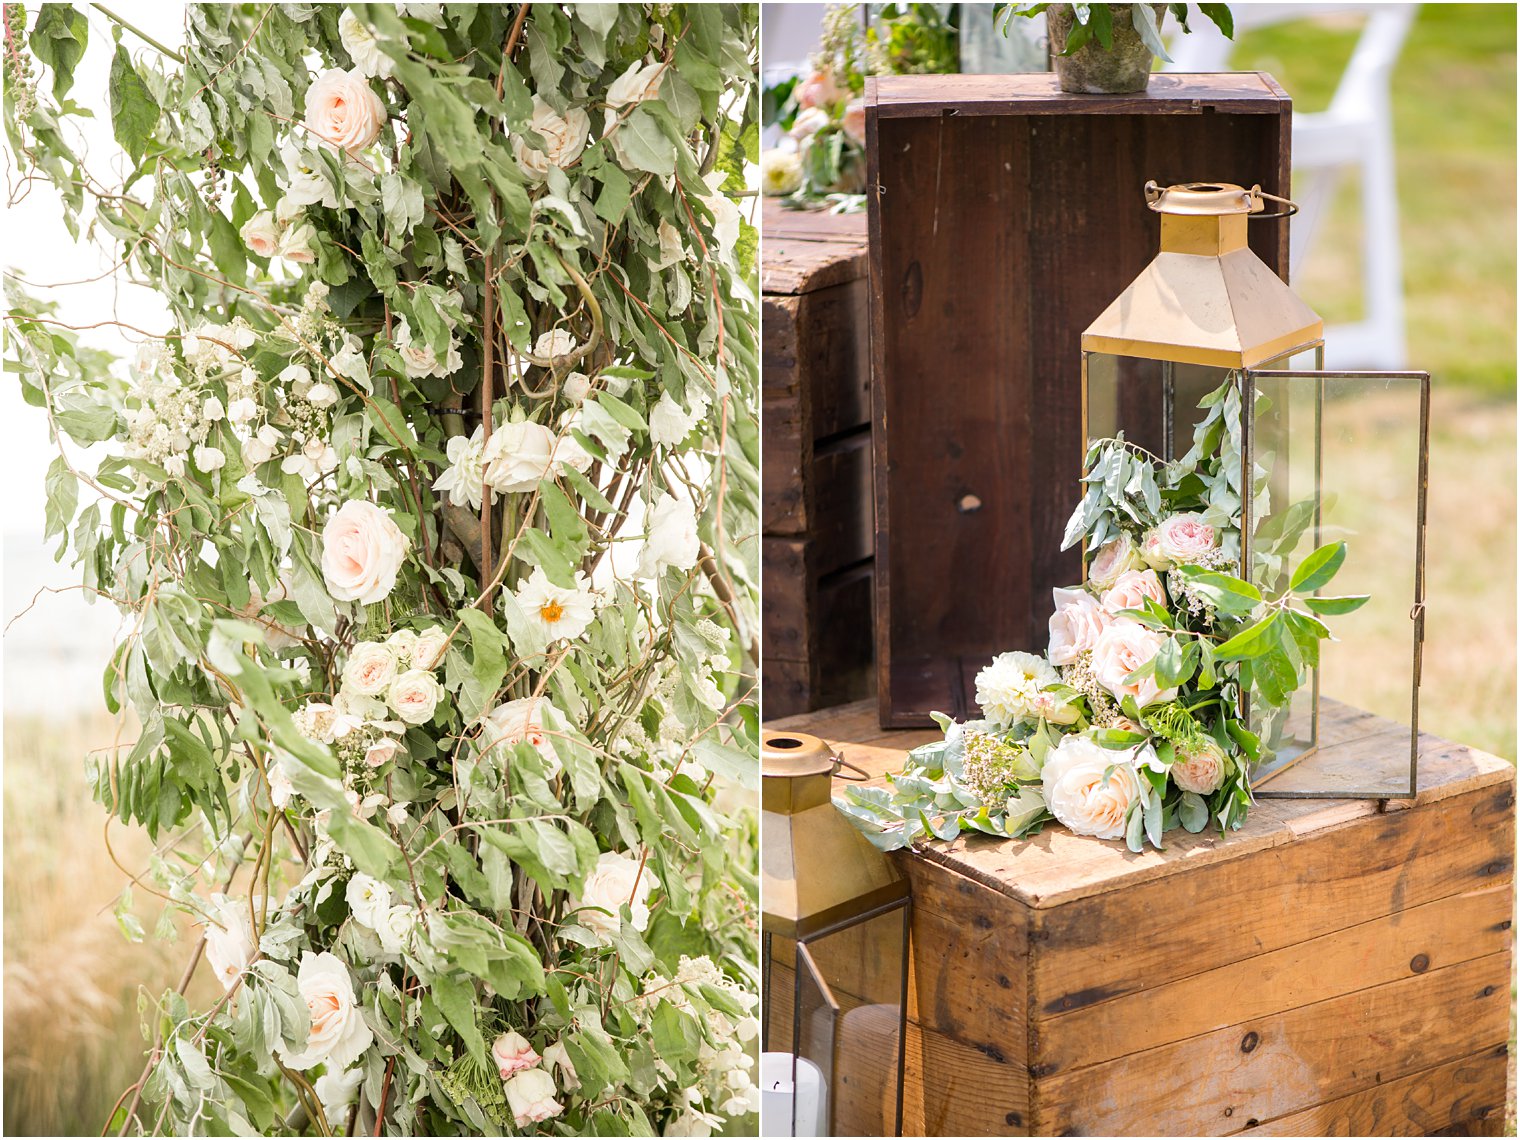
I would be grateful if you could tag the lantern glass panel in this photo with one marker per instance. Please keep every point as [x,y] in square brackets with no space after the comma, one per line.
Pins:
[1360,441]
[817,1035]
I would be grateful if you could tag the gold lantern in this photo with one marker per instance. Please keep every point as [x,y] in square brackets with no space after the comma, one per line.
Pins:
[835,927]
[1322,455]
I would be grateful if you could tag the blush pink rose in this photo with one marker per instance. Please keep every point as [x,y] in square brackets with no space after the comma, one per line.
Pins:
[343,110]
[1200,769]
[818,90]
[1133,586]
[1178,541]
[512,1053]
[1075,625]
[1123,647]
[362,551]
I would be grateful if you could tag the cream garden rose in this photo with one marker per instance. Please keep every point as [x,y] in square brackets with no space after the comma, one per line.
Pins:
[564,137]
[1078,793]
[371,668]
[517,456]
[1075,624]
[1200,768]
[530,1097]
[1113,558]
[427,650]
[415,695]
[1122,648]
[615,880]
[362,551]
[343,110]
[339,1034]
[1178,541]
[517,721]
[638,83]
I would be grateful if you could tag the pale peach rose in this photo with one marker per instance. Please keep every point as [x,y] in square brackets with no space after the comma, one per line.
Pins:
[1111,560]
[343,110]
[339,1034]
[381,751]
[1075,625]
[1200,769]
[521,720]
[1178,541]
[1079,795]
[362,551]
[427,650]
[415,695]
[1121,649]
[1133,586]
[854,121]
[818,90]
[370,669]
[260,234]
[512,1053]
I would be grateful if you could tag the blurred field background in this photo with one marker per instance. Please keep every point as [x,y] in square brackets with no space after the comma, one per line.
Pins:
[71,979]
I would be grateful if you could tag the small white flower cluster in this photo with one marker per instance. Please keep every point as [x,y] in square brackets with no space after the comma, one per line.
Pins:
[1182,590]
[724,1086]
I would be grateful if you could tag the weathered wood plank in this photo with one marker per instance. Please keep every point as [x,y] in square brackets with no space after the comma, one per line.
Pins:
[1170,93]
[1466,1096]
[1269,1067]
[1453,929]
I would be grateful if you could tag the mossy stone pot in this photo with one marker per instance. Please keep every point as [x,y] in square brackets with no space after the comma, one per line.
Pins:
[1093,69]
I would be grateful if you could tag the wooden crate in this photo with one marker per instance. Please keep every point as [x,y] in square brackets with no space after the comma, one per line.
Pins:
[816,477]
[1333,968]
[1005,216]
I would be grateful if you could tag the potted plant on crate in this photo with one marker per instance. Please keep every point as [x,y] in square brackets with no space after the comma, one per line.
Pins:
[1108,49]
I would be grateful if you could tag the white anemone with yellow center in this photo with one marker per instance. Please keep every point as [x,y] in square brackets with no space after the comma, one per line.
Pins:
[554,611]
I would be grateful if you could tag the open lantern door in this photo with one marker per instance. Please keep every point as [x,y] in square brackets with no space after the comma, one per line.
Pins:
[1207,340]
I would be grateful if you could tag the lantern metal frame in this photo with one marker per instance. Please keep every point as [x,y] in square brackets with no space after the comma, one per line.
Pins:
[804,837]
[1203,245]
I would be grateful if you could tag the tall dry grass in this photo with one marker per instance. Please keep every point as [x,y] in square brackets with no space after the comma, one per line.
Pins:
[72,1029]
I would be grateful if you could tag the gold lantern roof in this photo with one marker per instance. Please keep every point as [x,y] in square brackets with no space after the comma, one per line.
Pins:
[816,869]
[1205,298]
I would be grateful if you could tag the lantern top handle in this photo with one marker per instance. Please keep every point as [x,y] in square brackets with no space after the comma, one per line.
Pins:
[1213,199]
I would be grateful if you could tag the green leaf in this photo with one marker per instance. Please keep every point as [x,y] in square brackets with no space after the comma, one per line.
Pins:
[134,110]
[488,664]
[1193,812]
[62,499]
[455,998]
[1253,641]
[644,143]
[1335,607]
[1223,18]
[1231,596]
[58,39]
[1146,24]
[1318,568]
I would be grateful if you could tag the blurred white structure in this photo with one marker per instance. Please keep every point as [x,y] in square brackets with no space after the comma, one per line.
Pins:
[1355,131]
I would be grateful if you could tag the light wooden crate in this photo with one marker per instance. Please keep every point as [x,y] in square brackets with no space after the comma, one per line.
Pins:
[1333,968]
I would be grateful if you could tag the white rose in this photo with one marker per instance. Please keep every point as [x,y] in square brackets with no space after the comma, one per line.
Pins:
[336,1089]
[563,138]
[725,214]
[402,642]
[780,172]
[209,459]
[556,1056]
[672,537]
[1078,794]
[530,1096]
[1178,541]
[427,651]
[1131,589]
[1113,559]
[512,1053]
[362,551]
[230,945]
[577,387]
[414,695]
[669,423]
[343,110]
[517,456]
[395,927]
[464,478]
[1200,769]
[1121,648]
[1075,625]
[339,1035]
[636,84]
[615,880]
[553,344]
[521,720]
[371,668]
[362,47]
[260,234]
[368,899]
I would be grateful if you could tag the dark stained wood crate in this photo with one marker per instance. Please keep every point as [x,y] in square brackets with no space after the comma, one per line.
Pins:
[1006,216]
[818,531]
[1333,968]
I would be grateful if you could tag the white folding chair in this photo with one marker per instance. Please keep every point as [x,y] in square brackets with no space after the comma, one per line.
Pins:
[1355,131]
